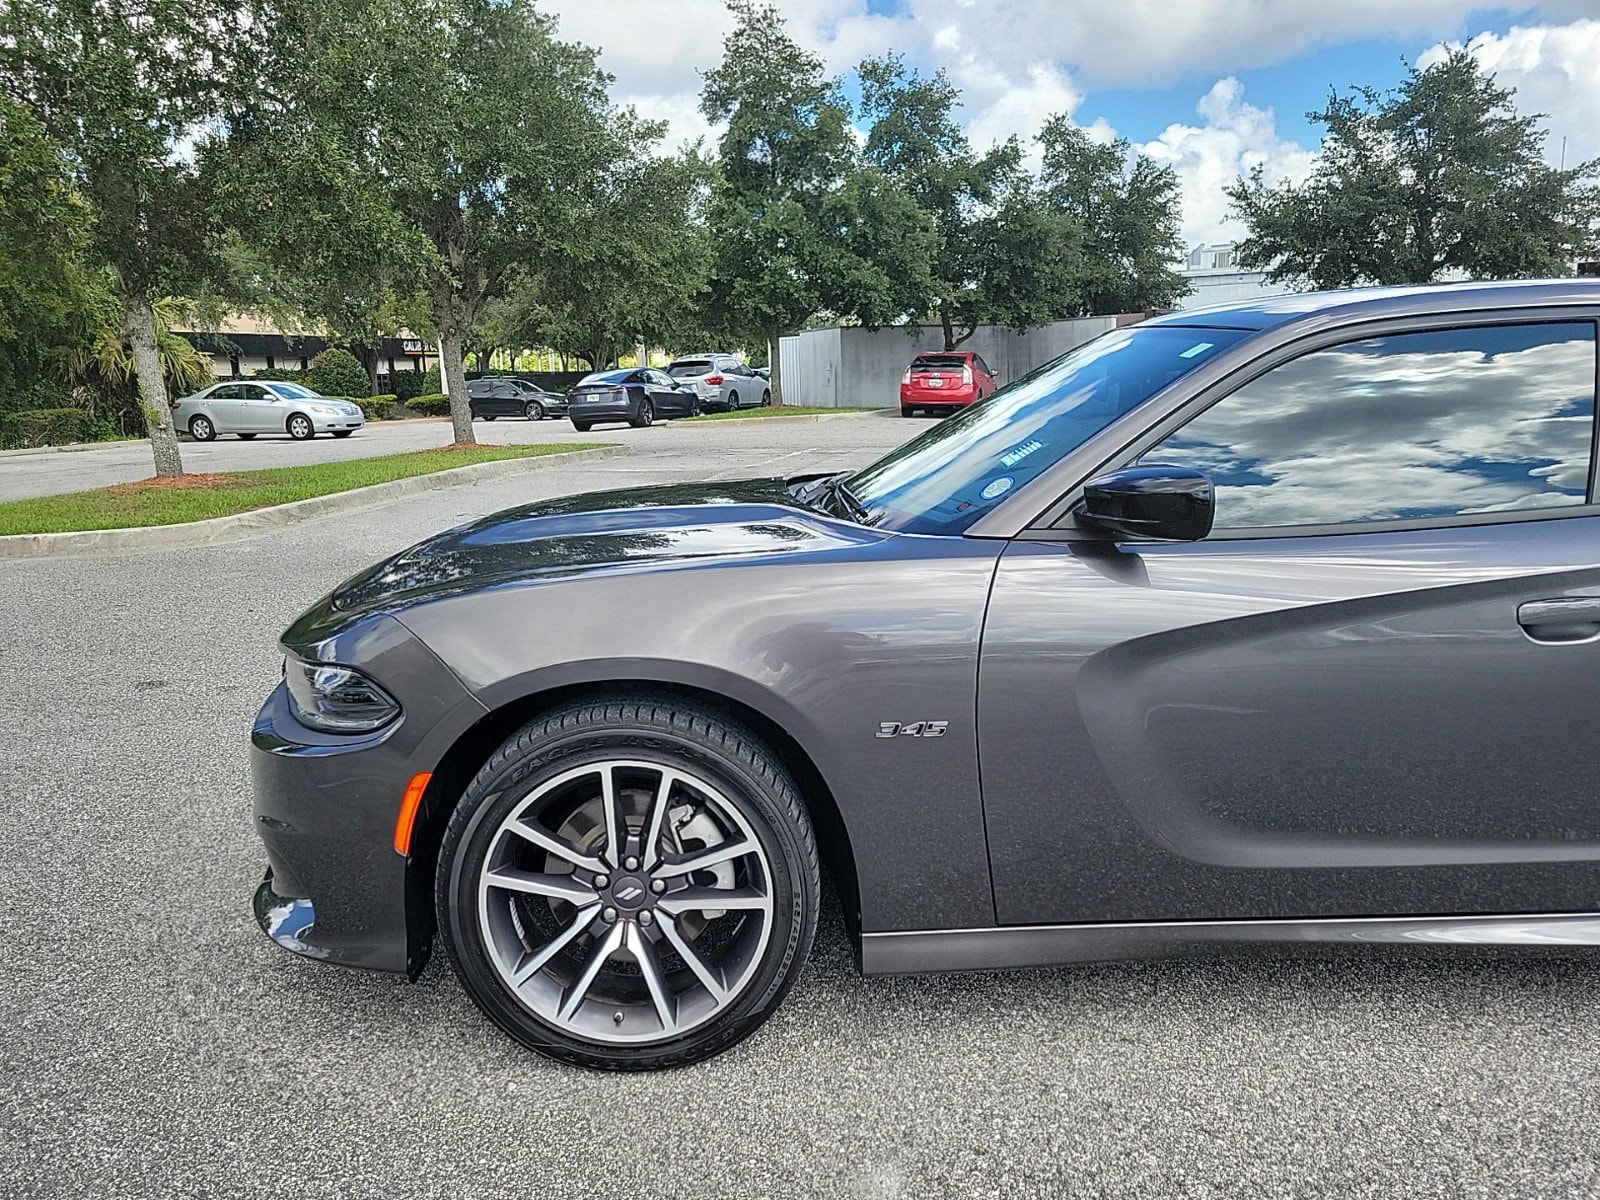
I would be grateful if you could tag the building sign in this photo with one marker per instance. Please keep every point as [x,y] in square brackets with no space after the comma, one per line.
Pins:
[416,346]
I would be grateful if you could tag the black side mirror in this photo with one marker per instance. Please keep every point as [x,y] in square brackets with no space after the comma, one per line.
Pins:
[1169,504]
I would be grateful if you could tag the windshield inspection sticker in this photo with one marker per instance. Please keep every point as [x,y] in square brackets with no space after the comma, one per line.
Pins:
[1197,348]
[1012,457]
[998,487]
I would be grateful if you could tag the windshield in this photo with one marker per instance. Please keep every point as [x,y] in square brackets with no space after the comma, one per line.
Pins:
[690,369]
[946,479]
[293,390]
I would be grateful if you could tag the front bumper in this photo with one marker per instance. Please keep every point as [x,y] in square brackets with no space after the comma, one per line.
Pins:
[326,805]
[336,423]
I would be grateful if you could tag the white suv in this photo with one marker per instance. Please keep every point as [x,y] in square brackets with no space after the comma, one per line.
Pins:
[722,381]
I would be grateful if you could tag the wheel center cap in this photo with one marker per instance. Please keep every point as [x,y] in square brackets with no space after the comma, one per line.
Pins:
[630,892]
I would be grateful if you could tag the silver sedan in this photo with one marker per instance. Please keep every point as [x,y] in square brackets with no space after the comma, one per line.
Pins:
[270,406]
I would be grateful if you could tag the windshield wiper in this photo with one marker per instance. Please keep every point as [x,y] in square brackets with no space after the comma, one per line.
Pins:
[841,500]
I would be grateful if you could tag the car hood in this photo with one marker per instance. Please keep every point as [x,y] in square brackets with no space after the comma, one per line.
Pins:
[632,529]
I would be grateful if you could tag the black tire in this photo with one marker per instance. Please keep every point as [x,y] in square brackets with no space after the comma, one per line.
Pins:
[342,432]
[245,437]
[300,428]
[487,417]
[733,401]
[201,429]
[582,426]
[907,410]
[533,410]
[647,415]
[676,734]
[766,399]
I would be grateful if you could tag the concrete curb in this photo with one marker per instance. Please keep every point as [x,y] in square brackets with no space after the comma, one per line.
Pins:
[259,520]
[805,419]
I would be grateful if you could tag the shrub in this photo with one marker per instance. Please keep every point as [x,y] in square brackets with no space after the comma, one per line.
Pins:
[281,375]
[337,372]
[436,405]
[381,408]
[408,385]
[42,427]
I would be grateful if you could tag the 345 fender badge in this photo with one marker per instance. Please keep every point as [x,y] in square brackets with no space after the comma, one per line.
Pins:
[889,729]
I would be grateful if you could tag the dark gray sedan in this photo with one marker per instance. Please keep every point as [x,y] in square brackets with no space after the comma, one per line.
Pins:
[1274,623]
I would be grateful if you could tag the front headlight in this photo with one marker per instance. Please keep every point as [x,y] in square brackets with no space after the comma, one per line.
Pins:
[325,410]
[336,699]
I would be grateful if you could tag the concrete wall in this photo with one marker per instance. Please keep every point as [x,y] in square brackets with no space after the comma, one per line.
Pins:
[846,368]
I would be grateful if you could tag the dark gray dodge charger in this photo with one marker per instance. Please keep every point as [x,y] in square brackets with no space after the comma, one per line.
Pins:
[1269,623]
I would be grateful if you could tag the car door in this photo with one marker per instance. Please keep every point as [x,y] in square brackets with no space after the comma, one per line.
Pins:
[664,393]
[223,405]
[259,410]
[1371,691]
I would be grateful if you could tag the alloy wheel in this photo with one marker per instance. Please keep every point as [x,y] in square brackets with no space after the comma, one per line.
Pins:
[533,411]
[625,902]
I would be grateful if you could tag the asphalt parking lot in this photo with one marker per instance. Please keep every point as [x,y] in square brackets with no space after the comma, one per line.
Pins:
[721,444]
[155,1044]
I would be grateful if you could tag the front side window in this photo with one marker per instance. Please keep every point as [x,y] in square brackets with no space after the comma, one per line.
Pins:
[944,480]
[1412,426]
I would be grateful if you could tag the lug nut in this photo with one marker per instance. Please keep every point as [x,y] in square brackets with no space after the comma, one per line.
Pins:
[631,863]
[658,886]
[601,881]
[646,917]
[610,914]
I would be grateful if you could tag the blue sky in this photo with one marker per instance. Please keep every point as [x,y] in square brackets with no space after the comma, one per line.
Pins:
[1209,87]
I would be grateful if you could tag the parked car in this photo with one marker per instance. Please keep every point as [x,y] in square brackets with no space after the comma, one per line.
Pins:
[247,408]
[1276,622]
[637,395]
[722,381]
[944,381]
[510,397]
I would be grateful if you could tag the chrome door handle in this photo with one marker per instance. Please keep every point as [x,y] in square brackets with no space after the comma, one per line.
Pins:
[1569,620]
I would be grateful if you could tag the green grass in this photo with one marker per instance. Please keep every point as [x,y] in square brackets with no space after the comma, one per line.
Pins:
[130,505]
[788,410]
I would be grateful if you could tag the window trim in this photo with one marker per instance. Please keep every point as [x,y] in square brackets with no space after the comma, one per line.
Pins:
[1132,436]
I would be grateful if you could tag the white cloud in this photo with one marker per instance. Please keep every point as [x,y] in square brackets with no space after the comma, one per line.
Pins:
[1235,138]
[1556,70]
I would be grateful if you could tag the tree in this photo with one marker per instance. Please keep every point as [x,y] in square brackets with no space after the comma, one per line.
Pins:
[1127,208]
[785,150]
[1438,175]
[46,289]
[975,204]
[467,132]
[631,274]
[120,88]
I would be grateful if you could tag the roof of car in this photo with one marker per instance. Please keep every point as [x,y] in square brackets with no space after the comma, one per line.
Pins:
[1407,300]
[614,373]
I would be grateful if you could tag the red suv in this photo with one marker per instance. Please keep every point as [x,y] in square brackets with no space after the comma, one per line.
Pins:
[945,379]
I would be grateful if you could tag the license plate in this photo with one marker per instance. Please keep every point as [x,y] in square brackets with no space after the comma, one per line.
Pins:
[936,381]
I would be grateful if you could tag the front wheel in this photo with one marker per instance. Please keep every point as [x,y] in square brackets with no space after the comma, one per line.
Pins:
[300,428]
[533,410]
[629,884]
